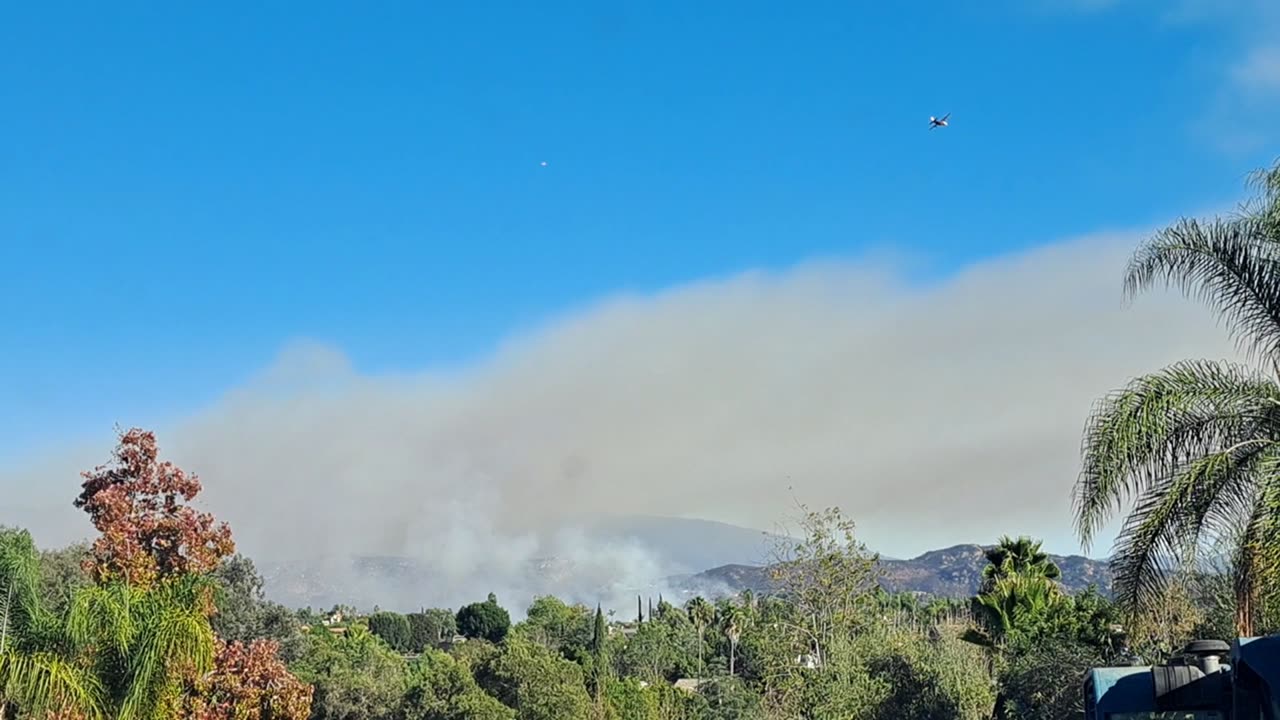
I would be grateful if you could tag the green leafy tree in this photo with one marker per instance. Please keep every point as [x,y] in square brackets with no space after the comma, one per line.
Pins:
[430,628]
[651,654]
[487,620]
[1195,446]
[62,574]
[538,683]
[566,629]
[828,578]
[243,614]
[728,698]
[804,655]
[355,675]
[441,688]
[631,699]
[476,655]
[392,628]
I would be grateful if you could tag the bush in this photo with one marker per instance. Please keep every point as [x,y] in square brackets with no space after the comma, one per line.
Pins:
[1044,682]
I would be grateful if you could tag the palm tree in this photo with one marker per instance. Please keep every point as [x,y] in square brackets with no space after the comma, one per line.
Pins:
[119,652]
[702,613]
[732,621]
[1022,557]
[1196,446]
[38,673]
[143,645]
[1013,603]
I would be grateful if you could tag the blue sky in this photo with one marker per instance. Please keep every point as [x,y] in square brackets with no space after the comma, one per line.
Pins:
[183,189]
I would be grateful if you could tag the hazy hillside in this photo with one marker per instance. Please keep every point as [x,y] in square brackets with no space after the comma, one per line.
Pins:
[687,545]
[953,572]
[662,546]
[681,550]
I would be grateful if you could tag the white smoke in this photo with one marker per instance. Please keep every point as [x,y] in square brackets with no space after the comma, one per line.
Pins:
[932,414]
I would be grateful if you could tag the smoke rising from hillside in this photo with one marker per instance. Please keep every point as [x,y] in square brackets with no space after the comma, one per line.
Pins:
[931,414]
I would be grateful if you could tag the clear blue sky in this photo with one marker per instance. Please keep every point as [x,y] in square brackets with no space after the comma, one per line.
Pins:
[186,187]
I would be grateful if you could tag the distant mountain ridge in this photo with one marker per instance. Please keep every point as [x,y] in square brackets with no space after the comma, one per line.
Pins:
[950,572]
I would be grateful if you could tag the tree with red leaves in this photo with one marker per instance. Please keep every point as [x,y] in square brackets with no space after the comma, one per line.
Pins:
[148,532]
[152,540]
[249,682]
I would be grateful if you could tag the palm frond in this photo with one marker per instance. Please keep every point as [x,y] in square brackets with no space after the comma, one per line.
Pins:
[103,615]
[1267,182]
[43,682]
[1230,265]
[1155,426]
[174,639]
[1177,515]
[1256,560]
[20,607]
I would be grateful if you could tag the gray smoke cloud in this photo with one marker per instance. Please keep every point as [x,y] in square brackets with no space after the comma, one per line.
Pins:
[932,413]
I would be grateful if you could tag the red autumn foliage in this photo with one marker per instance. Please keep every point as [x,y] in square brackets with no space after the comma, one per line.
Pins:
[148,532]
[249,682]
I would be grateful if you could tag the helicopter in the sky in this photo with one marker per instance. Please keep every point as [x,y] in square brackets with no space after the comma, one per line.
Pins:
[938,122]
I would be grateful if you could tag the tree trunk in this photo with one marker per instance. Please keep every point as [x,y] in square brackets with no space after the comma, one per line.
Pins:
[1246,595]
[733,646]
[1244,617]
[702,664]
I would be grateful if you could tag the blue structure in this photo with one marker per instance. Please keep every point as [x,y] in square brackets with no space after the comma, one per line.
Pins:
[1197,686]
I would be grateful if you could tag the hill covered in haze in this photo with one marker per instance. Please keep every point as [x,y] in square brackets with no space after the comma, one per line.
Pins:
[681,558]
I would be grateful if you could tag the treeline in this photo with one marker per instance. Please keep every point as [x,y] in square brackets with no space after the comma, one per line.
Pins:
[157,618]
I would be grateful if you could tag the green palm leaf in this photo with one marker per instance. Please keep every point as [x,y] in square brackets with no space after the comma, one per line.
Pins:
[1144,434]
[1229,265]
[1196,447]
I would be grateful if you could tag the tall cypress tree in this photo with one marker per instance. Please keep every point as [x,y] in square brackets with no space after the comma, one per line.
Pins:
[639,611]
[598,644]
